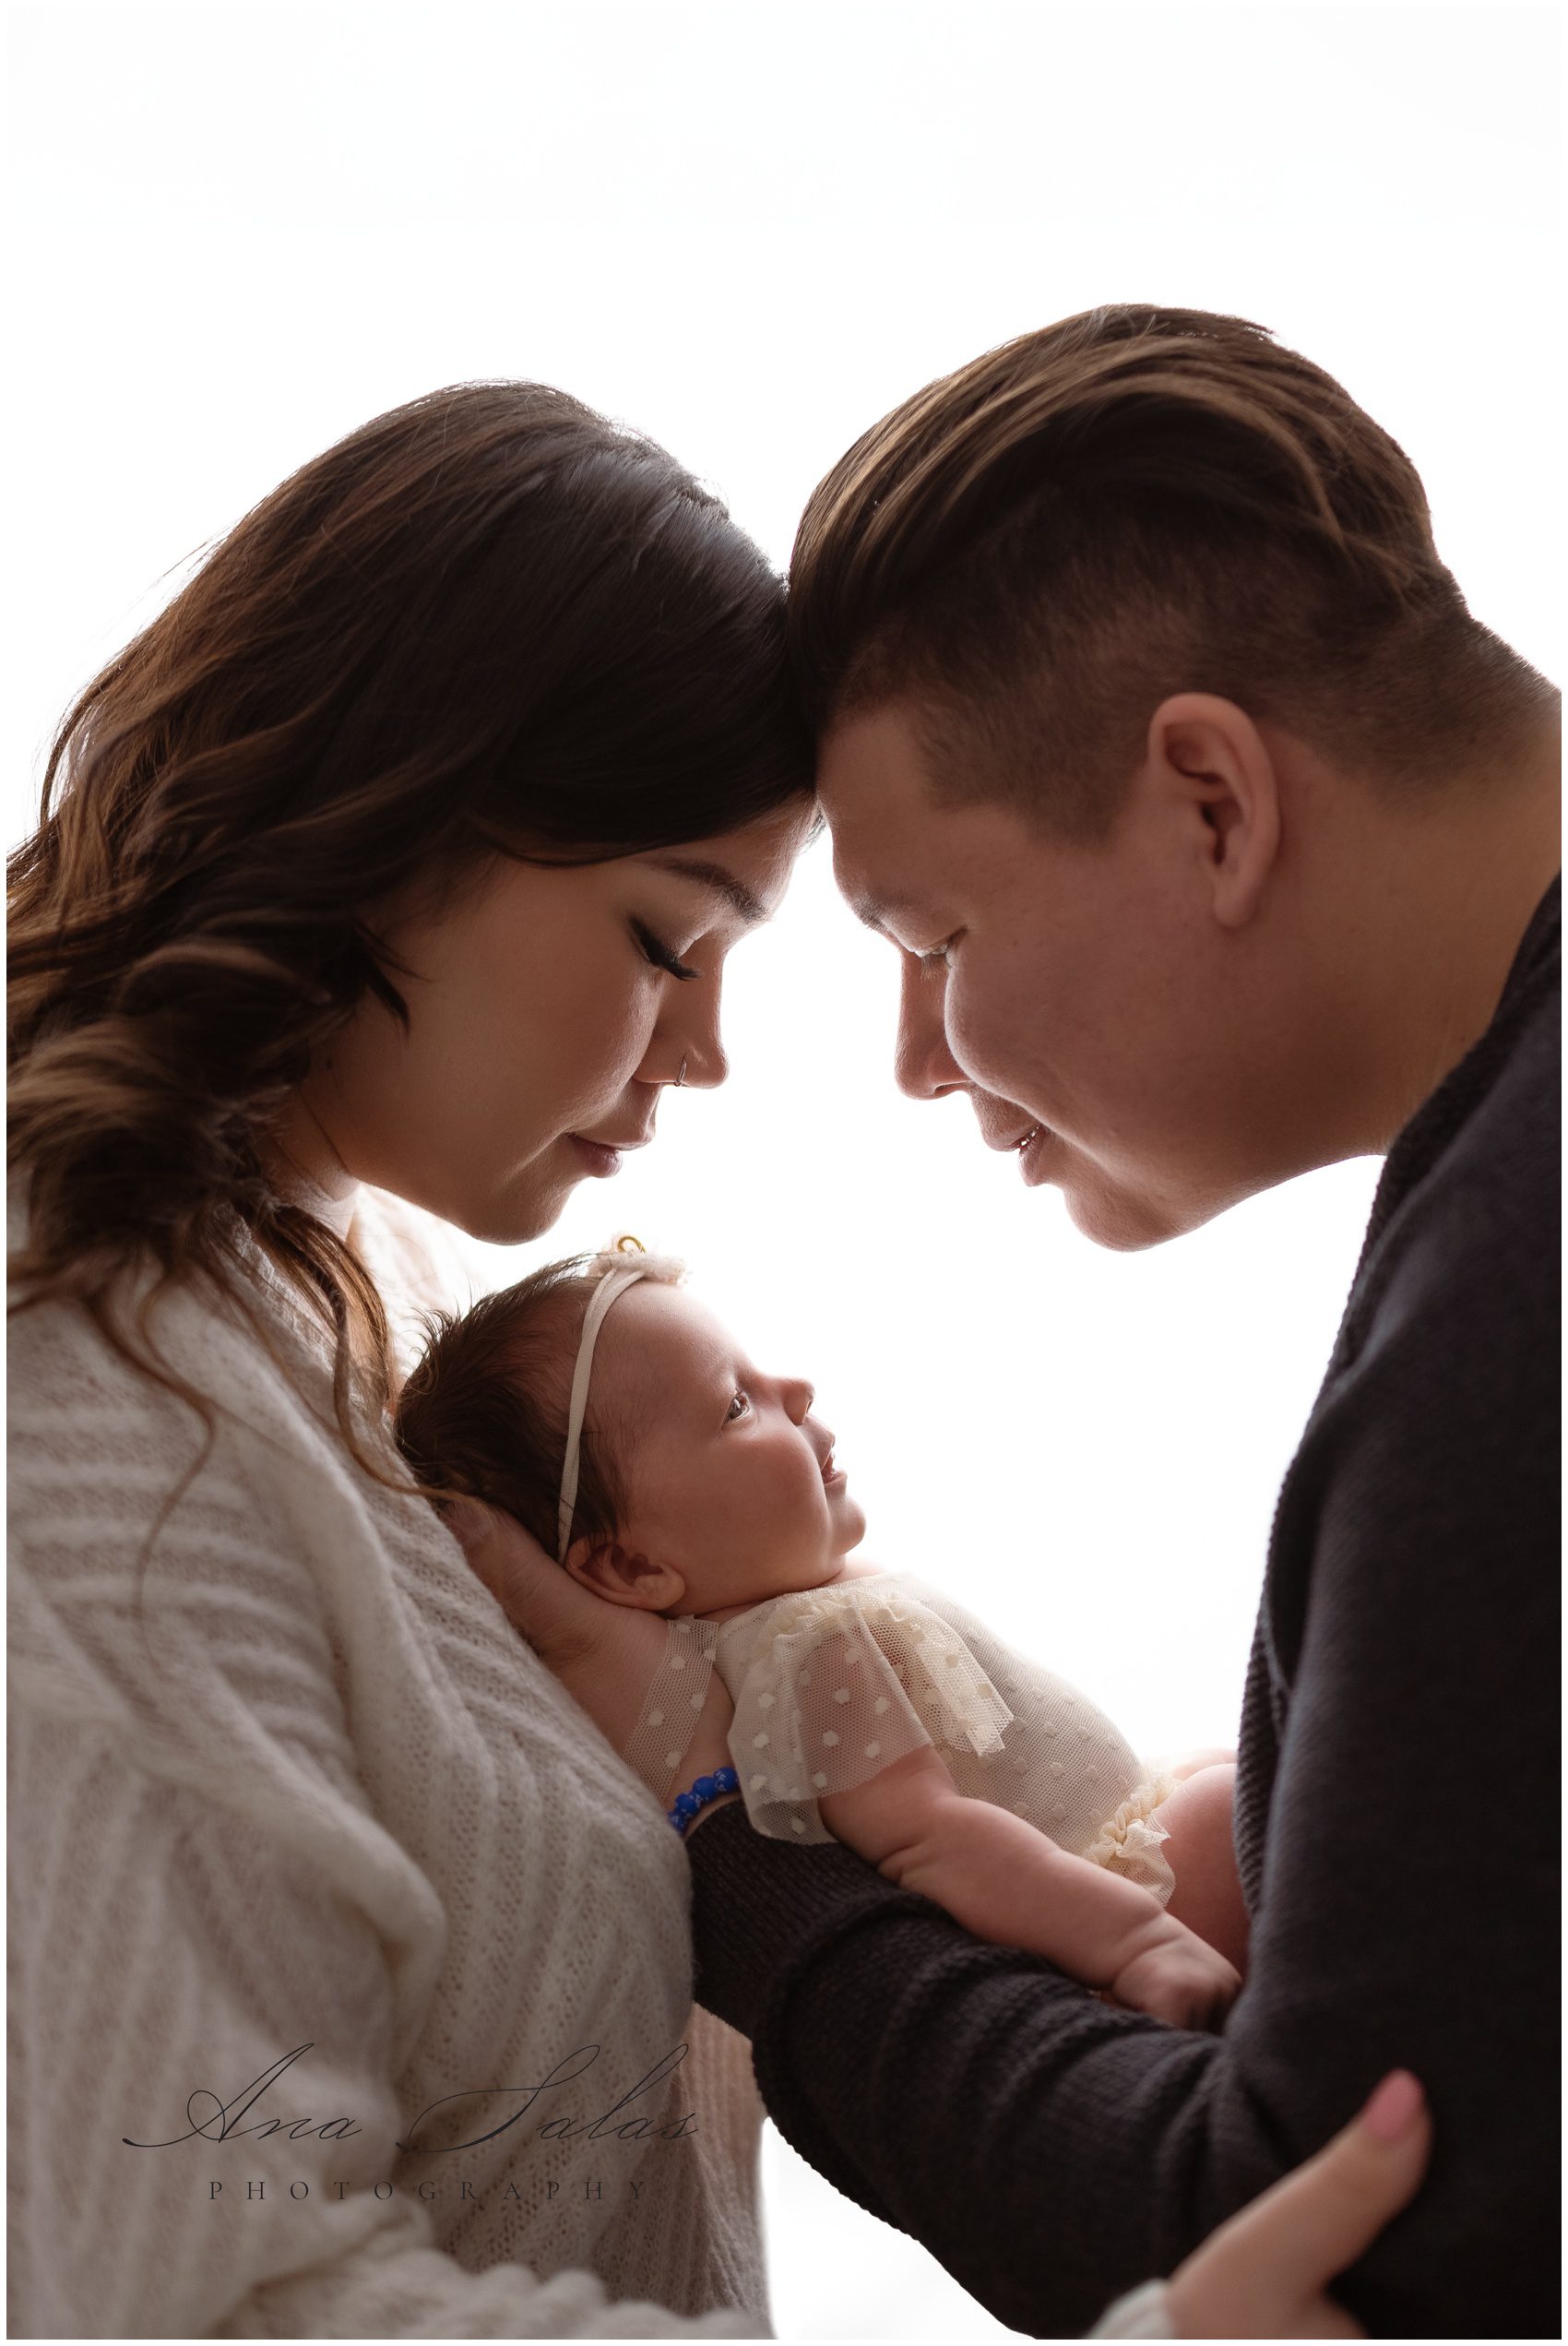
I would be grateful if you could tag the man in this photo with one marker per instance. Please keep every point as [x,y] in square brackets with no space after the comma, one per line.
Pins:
[1218,841]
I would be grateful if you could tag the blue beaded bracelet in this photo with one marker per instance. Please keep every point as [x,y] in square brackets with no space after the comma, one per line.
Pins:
[707,1788]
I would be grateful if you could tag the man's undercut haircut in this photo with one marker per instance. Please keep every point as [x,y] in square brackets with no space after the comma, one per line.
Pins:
[1037,550]
[484,1412]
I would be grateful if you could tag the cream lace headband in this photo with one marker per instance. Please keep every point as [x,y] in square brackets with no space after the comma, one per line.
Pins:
[617,1273]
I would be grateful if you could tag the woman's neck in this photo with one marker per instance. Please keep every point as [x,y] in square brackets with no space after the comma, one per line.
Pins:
[308,1169]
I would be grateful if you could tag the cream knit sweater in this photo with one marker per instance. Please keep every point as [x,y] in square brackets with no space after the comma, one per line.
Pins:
[331,1800]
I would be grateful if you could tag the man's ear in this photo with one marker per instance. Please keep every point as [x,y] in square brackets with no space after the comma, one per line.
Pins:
[622,1575]
[1208,759]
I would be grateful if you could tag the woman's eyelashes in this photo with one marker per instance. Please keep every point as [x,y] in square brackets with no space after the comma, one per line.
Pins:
[659,954]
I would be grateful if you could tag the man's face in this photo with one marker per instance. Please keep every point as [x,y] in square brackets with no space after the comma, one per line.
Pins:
[1083,996]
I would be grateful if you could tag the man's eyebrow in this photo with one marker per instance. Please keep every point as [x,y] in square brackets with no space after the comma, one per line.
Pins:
[735,893]
[876,911]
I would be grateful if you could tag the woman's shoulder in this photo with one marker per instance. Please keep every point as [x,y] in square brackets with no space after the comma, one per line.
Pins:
[80,1402]
[148,1525]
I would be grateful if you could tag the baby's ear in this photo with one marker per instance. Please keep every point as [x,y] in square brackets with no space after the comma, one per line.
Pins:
[622,1575]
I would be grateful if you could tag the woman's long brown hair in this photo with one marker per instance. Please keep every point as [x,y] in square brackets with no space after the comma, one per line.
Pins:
[491,621]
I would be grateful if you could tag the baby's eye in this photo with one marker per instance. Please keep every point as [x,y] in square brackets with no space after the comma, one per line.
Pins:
[740,1406]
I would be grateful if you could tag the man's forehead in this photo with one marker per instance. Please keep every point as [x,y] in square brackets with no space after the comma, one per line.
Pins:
[887,829]
[872,755]
[885,873]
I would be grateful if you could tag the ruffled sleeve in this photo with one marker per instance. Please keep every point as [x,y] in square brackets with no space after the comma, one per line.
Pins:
[833,1685]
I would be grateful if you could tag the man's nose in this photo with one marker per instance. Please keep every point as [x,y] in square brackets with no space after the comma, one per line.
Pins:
[922,1065]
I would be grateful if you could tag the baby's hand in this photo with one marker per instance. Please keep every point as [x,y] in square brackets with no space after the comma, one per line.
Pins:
[1178,1978]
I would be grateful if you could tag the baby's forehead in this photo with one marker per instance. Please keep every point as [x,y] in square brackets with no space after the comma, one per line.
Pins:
[657,1330]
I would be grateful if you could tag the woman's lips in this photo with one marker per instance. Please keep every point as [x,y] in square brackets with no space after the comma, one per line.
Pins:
[600,1160]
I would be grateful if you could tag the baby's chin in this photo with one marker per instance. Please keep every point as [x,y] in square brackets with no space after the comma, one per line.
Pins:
[852,1529]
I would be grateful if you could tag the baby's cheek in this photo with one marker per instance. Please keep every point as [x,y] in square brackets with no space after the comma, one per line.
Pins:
[802,1498]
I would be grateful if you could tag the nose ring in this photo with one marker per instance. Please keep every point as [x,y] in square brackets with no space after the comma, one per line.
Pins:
[681,1076]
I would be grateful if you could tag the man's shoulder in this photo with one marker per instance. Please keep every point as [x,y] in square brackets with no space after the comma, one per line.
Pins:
[1471,1224]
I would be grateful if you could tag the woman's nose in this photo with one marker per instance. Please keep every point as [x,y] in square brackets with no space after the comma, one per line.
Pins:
[695,1024]
[922,1065]
[686,1048]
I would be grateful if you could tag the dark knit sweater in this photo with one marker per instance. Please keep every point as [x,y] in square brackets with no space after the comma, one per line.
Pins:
[1398,1820]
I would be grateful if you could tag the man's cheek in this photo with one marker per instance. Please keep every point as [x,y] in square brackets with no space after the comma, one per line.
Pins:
[987,1038]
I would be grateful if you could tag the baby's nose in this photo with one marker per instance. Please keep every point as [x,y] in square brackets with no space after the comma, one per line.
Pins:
[798,1398]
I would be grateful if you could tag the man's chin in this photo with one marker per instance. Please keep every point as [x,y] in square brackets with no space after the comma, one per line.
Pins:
[1127,1221]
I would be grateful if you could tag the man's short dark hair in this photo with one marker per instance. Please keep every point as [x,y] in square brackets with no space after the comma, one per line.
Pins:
[1038,550]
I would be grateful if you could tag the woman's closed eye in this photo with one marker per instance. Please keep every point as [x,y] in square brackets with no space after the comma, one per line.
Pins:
[659,954]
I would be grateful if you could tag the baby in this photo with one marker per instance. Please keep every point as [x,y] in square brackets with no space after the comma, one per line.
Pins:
[664,1470]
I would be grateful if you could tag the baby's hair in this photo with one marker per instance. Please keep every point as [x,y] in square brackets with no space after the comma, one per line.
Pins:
[484,1412]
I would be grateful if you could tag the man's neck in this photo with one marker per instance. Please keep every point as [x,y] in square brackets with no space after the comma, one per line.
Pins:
[1432,905]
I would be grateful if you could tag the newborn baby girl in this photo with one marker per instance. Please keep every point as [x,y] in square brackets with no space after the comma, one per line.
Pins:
[664,1470]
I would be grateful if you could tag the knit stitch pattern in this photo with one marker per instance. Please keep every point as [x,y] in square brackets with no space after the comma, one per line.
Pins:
[331,1799]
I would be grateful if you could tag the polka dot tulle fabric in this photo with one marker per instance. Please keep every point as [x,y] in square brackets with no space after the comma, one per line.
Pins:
[832,1685]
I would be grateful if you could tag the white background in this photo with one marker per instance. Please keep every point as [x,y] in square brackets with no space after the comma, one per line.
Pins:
[749,230]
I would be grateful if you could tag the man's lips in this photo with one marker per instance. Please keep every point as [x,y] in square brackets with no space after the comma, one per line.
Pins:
[1034,1154]
[1017,1139]
[1011,1134]
[1030,1143]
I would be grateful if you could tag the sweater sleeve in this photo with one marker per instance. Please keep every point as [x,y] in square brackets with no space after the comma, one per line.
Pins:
[198,1887]
[1051,2153]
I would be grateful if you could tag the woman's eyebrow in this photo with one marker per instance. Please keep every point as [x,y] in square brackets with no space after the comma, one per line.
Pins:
[713,876]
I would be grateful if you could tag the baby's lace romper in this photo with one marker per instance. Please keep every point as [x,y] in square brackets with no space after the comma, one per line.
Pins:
[832,1684]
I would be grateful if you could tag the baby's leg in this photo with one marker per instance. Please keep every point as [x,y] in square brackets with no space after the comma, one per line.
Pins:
[1212,1756]
[1201,1854]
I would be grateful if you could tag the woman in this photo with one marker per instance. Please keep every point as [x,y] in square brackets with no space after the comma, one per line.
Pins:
[404,849]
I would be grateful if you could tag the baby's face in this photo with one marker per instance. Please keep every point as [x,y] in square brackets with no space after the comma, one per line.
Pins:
[731,1480]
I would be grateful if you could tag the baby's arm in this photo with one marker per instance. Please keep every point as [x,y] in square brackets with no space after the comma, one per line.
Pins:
[1004,1881]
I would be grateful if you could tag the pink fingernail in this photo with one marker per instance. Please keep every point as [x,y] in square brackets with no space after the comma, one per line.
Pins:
[1393,2106]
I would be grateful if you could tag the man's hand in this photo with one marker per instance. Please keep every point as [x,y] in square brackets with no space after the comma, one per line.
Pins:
[605,1655]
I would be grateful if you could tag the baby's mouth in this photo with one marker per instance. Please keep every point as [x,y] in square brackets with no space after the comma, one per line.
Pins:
[831,1473]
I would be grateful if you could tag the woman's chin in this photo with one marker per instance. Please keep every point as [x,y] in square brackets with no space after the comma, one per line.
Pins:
[510,1217]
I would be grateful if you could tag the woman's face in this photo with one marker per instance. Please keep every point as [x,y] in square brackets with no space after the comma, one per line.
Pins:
[547,1008]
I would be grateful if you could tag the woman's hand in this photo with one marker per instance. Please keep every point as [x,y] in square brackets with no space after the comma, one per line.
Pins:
[605,1655]
[1265,2273]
